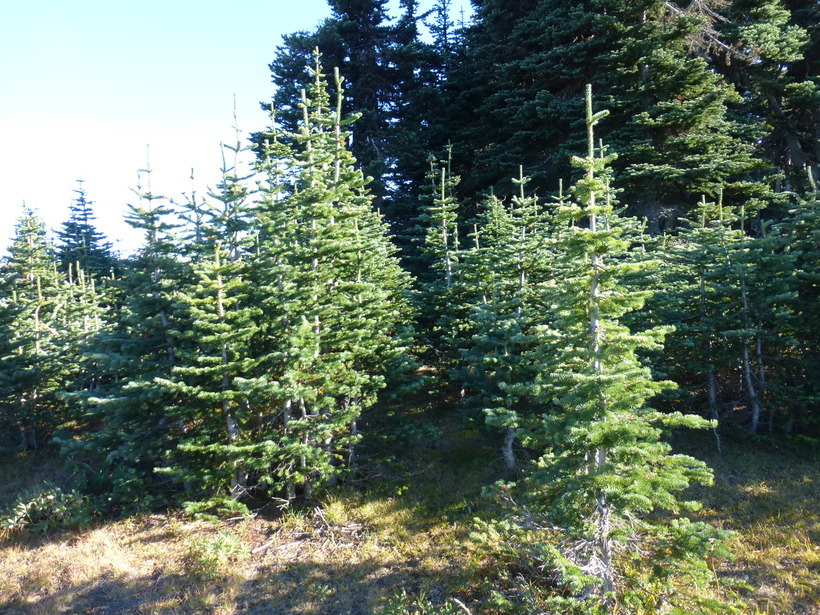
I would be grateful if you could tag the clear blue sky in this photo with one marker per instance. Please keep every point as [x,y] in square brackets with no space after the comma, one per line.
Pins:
[87,84]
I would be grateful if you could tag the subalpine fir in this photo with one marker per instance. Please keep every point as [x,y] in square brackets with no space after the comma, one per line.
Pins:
[129,430]
[801,230]
[607,481]
[501,273]
[217,419]
[335,314]
[39,336]
[441,307]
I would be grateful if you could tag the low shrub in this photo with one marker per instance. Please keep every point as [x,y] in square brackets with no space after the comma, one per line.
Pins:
[45,509]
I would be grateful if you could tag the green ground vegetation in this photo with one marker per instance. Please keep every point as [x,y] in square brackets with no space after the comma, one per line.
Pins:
[400,537]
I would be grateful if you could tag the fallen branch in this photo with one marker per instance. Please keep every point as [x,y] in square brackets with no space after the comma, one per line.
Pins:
[317,512]
[460,605]
[263,547]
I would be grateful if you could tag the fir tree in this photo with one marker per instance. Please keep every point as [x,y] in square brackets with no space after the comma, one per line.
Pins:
[697,354]
[213,350]
[506,271]
[217,416]
[378,61]
[130,430]
[80,243]
[41,320]
[529,61]
[438,233]
[335,295]
[769,53]
[800,231]
[606,472]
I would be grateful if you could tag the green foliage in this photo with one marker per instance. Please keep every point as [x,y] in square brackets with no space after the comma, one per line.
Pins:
[47,509]
[127,430]
[45,317]
[81,246]
[606,476]
[502,280]
[336,319]
[232,360]
[673,120]
[213,350]
[208,558]
[772,44]
[800,233]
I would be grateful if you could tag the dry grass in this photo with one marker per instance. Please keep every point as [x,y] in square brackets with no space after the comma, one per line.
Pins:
[353,552]
[307,563]
[402,546]
[771,501]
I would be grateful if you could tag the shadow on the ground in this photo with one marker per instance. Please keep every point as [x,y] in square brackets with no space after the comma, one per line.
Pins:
[309,588]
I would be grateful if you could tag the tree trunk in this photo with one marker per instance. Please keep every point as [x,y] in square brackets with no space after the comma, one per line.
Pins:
[510,463]
[713,404]
[603,543]
[754,398]
[290,487]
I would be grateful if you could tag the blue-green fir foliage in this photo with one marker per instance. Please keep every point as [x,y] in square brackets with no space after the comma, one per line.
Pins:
[606,481]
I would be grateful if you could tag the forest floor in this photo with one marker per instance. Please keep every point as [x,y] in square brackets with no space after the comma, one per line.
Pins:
[398,542]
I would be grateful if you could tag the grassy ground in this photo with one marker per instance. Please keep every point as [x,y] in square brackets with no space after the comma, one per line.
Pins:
[399,543]
[771,500]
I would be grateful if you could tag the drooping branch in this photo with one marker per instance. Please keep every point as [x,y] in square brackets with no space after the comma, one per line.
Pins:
[707,38]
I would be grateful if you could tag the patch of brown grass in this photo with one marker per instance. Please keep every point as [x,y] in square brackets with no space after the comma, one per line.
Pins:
[352,552]
[771,501]
[404,539]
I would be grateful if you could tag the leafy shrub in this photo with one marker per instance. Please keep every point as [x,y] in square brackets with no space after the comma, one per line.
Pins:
[47,509]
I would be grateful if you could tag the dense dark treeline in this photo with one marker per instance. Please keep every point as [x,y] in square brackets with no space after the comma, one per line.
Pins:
[709,100]
[704,96]
[229,360]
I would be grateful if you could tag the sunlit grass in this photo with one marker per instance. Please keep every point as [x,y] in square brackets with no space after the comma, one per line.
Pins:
[396,543]
[771,501]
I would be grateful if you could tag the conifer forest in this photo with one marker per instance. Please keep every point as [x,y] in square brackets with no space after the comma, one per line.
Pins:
[585,236]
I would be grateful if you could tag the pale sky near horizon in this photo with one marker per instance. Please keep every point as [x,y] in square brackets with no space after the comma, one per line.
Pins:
[89,84]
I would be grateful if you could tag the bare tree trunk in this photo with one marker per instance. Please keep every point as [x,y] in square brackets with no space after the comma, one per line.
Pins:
[603,543]
[713,404]
[239,482]
[510,463]
[754,398]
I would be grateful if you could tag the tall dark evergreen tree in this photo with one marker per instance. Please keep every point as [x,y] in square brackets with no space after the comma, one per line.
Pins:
[358,40]
[669,107]
[395,80]
[771,57]
[80,244]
